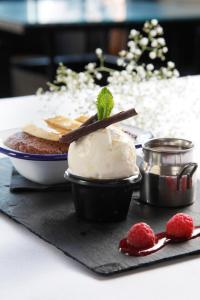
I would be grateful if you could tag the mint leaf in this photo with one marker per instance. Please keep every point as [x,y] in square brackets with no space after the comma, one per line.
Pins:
[105,103]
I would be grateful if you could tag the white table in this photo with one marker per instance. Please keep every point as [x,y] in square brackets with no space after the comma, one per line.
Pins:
[31,269]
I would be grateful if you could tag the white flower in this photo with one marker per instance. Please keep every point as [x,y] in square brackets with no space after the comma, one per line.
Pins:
[109,79]
[122,53]
[154,22]
[152,54]
[140,69]
[141,72]
[116,73]
[132,50]
[133,33]
[165,50]
[98,76]
[82,77]
[68,71]
[131,44]
[159,30]
[144,41]
[39,91]
[153,33]
[165,71]
[63,88]
[99,52]
[156,72]
[120,62]
[154,43]
[124,73]
[129,55]
[91,66]
[138,51]
[129,68]
[169,73]
[171,64]
[150,67]
[176,73]
[161,41]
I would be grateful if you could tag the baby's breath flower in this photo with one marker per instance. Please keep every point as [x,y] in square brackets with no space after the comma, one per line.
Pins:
[154,22]
[138,51]
[149,42]
[171,64]
[144,41]
[141,72]
[164,71]
[98,76]
[159,30]
[153,33]
[82,76]
[154,43]
[131,44]
[129,56]
[146,25]
[69,71]
[122,53]
[133,33]
[39,91]
[165,50]
[124,72]
[109,79]
[152,54]
[91,66]
[116,73]
[120,62]
[169,73]
[156,72]
[129,67]
[132,50]
[150,67]
[161,41]
[176,73]
[99,52]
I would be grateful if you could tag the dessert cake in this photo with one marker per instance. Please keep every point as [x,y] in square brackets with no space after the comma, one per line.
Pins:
[43,138]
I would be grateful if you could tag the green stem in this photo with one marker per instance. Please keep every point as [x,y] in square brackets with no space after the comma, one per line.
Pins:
[104,69]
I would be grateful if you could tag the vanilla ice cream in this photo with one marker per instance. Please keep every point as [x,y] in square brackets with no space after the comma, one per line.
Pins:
[107,153]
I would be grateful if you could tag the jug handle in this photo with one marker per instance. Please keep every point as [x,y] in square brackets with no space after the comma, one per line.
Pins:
[193,167]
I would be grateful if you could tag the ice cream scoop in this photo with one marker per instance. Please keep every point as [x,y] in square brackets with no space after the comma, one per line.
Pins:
[107,153]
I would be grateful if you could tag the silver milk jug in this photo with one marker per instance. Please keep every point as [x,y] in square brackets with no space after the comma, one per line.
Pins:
[167,170]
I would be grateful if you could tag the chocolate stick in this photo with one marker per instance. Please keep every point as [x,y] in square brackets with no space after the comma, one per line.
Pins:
[92,119]
[84,130]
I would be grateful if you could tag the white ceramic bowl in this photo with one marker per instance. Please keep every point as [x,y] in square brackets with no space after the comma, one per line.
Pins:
[40,168]
[50,168]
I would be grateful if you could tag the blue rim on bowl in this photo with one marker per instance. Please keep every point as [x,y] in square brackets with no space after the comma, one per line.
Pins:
[54,157]
[28,156]
[40,157]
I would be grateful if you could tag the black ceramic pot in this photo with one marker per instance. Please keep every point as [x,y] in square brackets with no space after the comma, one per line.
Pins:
[102,200]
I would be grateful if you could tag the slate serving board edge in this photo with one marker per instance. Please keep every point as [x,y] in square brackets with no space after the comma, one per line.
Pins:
[107,269]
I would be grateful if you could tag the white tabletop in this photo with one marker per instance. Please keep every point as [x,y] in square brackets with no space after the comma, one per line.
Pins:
[32,269]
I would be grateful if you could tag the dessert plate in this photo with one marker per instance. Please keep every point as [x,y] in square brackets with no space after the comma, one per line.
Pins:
[51,216]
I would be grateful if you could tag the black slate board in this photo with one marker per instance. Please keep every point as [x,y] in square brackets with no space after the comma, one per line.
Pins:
[51,216]
[19,183]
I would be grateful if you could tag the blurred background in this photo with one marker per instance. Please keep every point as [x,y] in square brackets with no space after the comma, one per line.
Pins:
[35,35]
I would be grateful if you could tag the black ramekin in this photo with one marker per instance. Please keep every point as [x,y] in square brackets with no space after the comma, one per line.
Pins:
[102,200]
